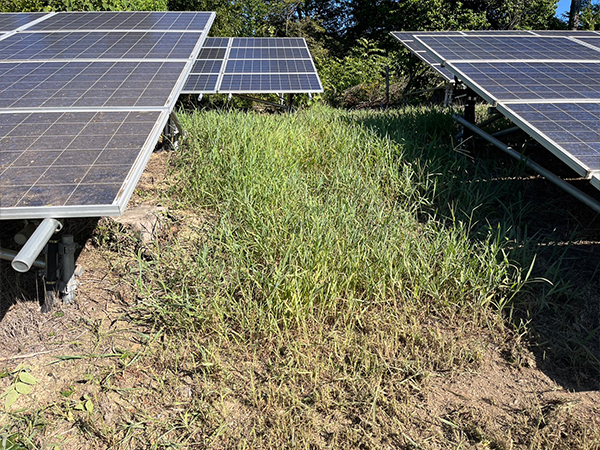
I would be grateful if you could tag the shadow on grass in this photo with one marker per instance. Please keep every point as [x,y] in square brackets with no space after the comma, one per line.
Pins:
[542,225]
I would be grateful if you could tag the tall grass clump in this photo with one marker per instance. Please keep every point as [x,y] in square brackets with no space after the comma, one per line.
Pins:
[317,215]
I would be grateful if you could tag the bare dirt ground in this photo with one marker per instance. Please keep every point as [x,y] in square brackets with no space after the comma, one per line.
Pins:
[76,348]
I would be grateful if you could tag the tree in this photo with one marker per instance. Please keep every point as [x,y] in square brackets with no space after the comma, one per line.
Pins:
[574,14]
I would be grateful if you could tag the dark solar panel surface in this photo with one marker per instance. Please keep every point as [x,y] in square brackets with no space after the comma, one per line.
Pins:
[421,52]
[87,84]
[268,42]
[156,21]
[112,45]
[252,83]
[212,53]
[269,66]
[216,42]
[68,159]
[56,161]
[556,99]
[591,41]
[574,127]
[506,48]
[269,53]
[207,66]
[530,81]
[254,65]
[12,21]
[201,83]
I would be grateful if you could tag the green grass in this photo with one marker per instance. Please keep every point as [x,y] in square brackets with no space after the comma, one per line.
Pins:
[316,277]
[315,215]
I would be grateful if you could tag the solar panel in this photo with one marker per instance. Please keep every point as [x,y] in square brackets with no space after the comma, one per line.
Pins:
[97,45]
[254,65]
[549,86]
[506,48]
[421,52]
[505,81]
[87,84]
[206,84]
[269,53]
[55,160]
[81,111]
[218,42]
[253,83]
[125,21]
[268,42]
[572,128]
[13,21]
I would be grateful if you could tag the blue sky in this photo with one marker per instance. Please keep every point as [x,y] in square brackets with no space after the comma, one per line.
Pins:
[563,6]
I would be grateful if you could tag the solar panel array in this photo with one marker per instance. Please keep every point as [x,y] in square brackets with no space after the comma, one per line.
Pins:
[547,82]
[254,65]
[83,100]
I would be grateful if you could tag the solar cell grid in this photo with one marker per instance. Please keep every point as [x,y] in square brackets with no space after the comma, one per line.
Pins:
[506,48]
[526,81]
[207,66]
[211,53]
[573,127]
[269,66]
[420,51]
[197,83]
[87,84]
[12,21]
[216,42]
[593,41]
[69,159]
[269,53]
[115,45]
[156,21]
[268,42]
[257,83]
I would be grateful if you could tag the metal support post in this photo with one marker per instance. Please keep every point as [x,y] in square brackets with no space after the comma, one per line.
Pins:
[51,274]
[469,116]
[579,195]
[68,272]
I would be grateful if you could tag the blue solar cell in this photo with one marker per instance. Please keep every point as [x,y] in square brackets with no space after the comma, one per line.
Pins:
[526,81]
[12,21]
[507,48]
[201,84]
[216,42]
[574,128]
[125,20]
[207,66]
[87,84]
[113,45]
[268,42]
[269,53]
[65,159]
[269,66]
[274,83]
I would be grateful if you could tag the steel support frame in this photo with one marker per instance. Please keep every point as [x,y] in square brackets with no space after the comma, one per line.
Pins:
[572,190]
[57,267]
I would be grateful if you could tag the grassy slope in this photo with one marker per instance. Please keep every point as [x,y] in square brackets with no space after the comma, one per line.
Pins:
[321,269]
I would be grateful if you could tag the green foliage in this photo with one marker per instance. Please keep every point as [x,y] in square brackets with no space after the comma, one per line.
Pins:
[364,65]
[21,385]
[590,16]
[82,5]
[107,5]
[23,5]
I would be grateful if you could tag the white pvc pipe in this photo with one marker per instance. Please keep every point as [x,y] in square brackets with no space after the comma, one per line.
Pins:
[35,244]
